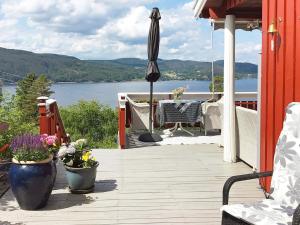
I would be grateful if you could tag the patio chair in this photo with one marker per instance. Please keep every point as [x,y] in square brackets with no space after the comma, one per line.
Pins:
[211,116]
[139,115]
[283,203]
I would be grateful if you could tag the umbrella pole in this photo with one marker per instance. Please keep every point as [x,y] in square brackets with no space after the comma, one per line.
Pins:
[212,61]
[149,136]
[151,108]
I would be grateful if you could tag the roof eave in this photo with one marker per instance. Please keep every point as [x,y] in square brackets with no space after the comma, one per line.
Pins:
[198,7]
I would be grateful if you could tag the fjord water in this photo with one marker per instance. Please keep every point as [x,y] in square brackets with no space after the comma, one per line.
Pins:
[106,93]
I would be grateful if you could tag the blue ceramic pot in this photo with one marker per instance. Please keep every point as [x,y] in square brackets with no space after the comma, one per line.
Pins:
[32,184]
[81,180]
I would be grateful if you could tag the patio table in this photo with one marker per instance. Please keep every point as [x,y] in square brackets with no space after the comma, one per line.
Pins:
[178,112]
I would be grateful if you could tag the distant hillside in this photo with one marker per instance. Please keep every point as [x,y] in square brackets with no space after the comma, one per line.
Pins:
[61,68]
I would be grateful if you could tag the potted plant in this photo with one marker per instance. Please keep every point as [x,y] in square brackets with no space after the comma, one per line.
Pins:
[178,92]
[32,172]
[51,141]
[81,167]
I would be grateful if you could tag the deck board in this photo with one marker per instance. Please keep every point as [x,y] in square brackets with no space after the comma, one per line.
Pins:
[154,185]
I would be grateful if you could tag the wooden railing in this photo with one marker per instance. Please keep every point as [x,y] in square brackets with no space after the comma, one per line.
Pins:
[244,99]
[247,104]
[50,120]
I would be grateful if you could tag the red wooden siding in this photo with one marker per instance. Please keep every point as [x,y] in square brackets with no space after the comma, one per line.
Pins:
[280,72]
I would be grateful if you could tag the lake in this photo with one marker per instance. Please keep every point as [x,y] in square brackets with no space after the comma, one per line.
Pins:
[106,93]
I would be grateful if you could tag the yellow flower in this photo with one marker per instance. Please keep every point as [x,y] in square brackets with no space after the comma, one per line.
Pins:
[86,156]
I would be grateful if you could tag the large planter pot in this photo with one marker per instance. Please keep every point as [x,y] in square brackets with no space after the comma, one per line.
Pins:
[32,182]
[81,180]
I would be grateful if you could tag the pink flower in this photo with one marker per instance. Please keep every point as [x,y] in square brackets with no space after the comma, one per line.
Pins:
[51,140]
[44,137]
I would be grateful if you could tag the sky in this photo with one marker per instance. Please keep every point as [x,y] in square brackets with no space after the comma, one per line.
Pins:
[110,29]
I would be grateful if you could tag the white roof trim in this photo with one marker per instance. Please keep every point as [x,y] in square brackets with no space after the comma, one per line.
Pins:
[244,24]
[198,7]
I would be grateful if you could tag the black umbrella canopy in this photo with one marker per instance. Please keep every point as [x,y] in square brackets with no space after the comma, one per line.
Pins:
[153,72]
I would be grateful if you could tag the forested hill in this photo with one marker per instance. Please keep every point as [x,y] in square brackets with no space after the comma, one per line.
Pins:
[60,68]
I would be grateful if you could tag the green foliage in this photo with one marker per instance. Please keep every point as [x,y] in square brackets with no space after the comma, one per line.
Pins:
[10,113]
[218,84]
[4,137]
[93,121]
[27,92]
[5,152]
[20,111]
[60,68]
[31,156]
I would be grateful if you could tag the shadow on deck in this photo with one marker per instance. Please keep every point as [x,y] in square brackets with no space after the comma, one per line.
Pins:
[177,138]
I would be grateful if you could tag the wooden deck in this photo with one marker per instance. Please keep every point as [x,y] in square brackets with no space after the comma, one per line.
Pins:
[154,185]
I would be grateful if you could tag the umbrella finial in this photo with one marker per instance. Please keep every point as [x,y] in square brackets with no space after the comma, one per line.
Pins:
[155,14]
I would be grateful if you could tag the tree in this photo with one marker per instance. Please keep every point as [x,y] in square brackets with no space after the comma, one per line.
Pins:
[27,91]
[218,84]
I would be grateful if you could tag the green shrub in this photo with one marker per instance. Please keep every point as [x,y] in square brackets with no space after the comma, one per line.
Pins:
[92,121]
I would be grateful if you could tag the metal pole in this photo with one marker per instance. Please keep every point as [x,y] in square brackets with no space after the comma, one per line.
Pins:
[150,111]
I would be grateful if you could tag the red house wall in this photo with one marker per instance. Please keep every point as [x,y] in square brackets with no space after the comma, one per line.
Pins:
[280,72]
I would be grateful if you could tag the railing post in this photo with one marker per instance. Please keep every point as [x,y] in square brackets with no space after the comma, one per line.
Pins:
[43,119]
[122,121]
[52,119]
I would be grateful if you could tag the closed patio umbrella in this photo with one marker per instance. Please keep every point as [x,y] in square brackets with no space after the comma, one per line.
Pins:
[153,73]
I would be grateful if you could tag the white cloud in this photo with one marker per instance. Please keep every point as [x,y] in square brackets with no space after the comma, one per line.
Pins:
[103,29]
[133,25]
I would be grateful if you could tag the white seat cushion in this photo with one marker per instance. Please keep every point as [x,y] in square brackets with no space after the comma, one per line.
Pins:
[285,186]
[266,212]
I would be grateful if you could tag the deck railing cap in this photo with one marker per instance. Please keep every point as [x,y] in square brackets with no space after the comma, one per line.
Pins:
[50,101]
[122,98]
[42,98]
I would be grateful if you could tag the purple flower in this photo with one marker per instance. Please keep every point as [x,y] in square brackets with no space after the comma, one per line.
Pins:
[27,142]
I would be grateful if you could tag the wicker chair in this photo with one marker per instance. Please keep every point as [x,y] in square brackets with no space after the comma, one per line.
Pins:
[283,204]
